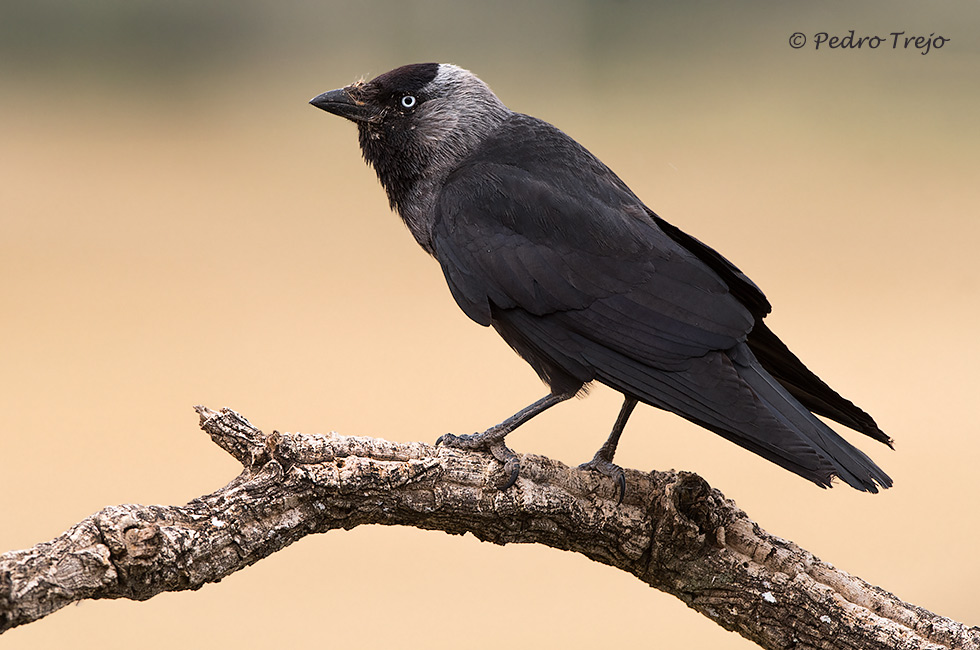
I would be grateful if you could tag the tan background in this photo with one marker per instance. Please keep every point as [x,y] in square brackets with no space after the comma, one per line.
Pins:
[178,227]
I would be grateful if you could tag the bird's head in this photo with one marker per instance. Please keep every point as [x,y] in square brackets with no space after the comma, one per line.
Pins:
[415,124]
[413,96]
[389,98]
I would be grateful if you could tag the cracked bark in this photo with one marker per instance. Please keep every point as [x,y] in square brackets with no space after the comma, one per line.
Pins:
[672,531]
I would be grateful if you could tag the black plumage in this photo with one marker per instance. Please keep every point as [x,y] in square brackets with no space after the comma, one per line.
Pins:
[540,240]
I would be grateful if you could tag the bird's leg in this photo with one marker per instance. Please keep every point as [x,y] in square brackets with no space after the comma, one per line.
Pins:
[602,461]
[492,439]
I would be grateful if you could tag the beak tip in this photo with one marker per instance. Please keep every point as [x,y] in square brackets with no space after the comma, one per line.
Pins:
[339,102]
[320,101]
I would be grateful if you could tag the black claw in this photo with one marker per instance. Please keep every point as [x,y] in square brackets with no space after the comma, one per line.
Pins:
[450,440]
[615,472]
[512,464]
[459,442]
[515,472]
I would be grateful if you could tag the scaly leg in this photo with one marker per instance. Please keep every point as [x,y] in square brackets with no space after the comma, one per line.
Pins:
[602,461]
[492,439]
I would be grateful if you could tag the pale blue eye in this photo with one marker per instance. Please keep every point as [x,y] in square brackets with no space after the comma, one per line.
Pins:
[408,101]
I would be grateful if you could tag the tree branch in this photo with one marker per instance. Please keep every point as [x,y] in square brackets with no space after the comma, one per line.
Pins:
[673,532]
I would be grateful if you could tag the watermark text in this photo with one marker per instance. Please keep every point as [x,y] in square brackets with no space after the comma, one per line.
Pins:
[851,41]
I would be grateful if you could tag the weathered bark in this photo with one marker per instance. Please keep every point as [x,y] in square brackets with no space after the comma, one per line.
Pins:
[672,531]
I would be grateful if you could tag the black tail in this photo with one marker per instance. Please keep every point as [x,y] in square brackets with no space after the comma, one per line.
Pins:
[774,356]
[850,463]
[733,395]
[806,387]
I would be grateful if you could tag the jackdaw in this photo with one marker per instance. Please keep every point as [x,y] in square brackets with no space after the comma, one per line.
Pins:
[540,240]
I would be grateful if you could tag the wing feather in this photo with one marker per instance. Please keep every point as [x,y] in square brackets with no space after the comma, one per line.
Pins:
[633,289]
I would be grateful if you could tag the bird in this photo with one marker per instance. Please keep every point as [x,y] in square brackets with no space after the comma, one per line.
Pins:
[540,240]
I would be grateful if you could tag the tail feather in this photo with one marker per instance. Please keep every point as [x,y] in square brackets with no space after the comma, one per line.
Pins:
[850,463]
[806,387]
[732,395]
[771,353]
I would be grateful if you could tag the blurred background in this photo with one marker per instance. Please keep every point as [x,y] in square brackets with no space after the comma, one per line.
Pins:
[179,227]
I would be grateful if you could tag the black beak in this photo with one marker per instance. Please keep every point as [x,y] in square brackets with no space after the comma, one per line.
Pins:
[339,102]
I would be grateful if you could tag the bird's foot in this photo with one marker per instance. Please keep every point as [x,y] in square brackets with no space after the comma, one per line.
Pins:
[487,442]
[606,467]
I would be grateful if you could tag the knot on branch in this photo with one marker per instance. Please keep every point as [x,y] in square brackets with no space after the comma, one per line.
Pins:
[690,522]
[703,506]
[142,543]
[139,554]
